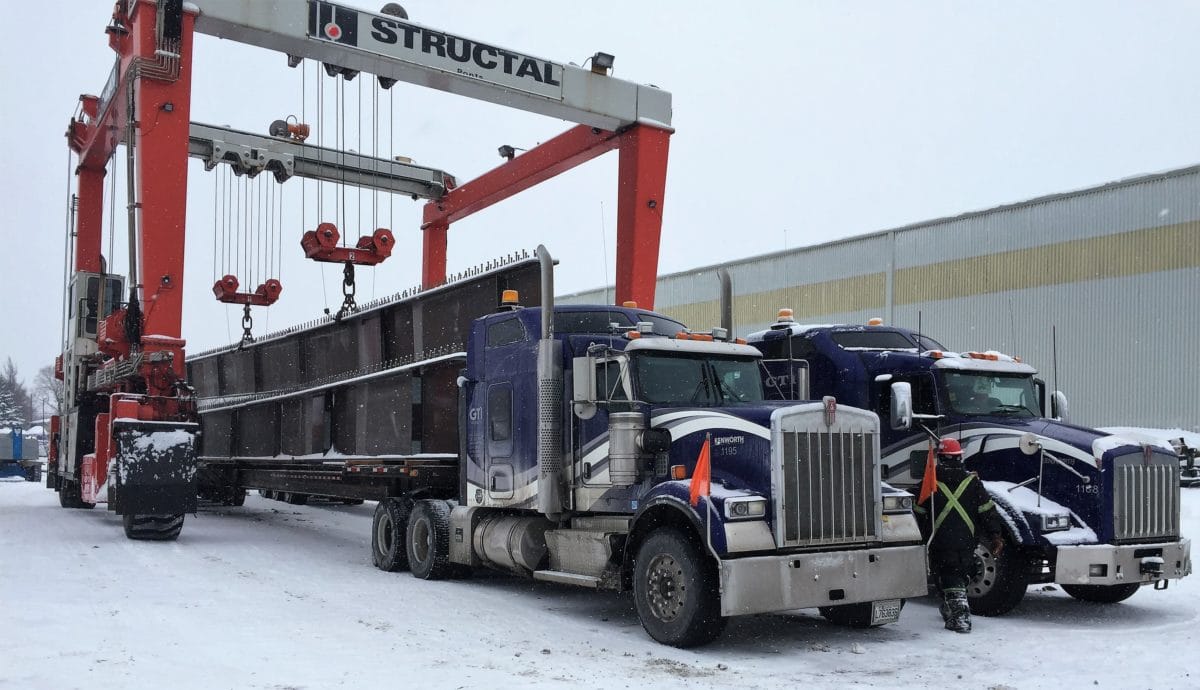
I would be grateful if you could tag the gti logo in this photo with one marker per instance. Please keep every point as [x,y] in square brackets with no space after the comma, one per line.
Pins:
[332,23]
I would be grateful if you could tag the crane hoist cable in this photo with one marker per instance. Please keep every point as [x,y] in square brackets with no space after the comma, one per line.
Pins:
[325,243]
[245,236]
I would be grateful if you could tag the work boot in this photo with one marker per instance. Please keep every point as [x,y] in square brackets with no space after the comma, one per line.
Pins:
[956,611]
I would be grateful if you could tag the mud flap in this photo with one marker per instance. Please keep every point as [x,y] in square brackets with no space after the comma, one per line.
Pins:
[153,471]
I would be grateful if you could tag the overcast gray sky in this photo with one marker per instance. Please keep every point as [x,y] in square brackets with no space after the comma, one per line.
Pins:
[797,123]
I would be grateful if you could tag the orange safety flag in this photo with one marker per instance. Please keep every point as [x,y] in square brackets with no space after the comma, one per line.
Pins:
[702,476]
[929,482]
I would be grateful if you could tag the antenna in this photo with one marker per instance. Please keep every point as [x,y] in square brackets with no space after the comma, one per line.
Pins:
[1012,327]
[919,345]
[604,253]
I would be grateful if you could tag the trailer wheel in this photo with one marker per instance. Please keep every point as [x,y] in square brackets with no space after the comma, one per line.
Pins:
[238,498]
[428,540]
[676,591]
[388,529]
[1001,580]
[1102,594]
[69,496]
[152,527]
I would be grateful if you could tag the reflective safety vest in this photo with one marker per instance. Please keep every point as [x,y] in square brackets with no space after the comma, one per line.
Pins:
[967,501]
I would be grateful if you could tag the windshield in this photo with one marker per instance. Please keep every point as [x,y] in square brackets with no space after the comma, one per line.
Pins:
[697,379]
[985,393]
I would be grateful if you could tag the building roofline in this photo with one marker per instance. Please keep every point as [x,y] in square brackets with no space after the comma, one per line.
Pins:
[1044,199]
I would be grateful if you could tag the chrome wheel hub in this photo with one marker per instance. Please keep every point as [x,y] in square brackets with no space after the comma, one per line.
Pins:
[666,591]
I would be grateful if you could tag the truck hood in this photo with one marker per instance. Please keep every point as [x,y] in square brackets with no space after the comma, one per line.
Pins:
[1081,443]
[740,442]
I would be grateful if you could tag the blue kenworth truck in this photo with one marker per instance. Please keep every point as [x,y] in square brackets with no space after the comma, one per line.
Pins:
[573,459]
[1095,513]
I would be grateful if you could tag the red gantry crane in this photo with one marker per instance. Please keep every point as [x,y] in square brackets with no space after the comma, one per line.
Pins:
[127,436]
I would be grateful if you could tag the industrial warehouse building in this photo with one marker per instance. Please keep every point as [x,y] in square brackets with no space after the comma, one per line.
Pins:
[1113,270]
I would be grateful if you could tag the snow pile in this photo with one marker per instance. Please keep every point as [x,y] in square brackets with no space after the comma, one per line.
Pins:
[279,596]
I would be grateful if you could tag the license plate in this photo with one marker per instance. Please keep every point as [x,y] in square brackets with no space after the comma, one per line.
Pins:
[886,611]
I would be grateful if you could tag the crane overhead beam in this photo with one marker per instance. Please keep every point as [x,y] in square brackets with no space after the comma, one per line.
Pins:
[250,154]
[395,49]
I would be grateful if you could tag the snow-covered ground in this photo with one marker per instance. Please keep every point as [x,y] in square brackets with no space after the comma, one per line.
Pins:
[278,596]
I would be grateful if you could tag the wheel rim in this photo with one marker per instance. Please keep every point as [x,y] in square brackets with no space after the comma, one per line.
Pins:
[987,571]
[666,591]
[422,540]
[384,537]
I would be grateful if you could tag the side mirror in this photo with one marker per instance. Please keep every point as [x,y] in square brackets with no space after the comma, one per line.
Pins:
[583,401]
[1029,444]
[901,406]
[1060,409]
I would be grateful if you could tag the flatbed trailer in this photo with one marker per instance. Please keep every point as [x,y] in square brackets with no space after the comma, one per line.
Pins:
[363,479]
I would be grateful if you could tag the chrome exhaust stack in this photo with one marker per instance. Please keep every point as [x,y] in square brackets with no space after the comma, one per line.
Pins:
[726,301]
[549,401]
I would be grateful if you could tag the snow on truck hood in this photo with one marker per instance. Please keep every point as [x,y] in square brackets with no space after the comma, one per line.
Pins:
[1028,502]
[1081,443]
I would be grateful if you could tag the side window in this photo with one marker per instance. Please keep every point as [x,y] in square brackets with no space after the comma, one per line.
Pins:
[797,347]
[505,332]
[608,380]
[924,398]
[610,386]
[500,412]
[922,393]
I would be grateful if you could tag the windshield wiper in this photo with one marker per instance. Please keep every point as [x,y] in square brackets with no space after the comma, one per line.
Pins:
[729,392]
[1012,410]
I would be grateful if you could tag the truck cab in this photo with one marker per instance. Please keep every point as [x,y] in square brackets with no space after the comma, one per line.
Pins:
[1094,512]
[599,488]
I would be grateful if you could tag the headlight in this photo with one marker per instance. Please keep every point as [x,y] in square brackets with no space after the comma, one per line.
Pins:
[748,508]
[897,503]
[1057,522]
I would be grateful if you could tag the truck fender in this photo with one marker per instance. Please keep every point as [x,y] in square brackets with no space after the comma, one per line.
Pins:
[1016,525]
[660,511]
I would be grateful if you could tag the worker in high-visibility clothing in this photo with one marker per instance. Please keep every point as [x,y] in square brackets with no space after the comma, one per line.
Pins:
[964,513]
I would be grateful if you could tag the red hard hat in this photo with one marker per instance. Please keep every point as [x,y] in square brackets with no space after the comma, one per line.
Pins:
[949,446]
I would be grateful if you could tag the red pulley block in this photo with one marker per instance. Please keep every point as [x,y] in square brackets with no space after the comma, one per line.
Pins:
[225,290]
[321,245]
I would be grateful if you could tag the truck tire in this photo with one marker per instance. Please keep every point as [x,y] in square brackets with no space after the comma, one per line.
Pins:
[428,540]
[851,615]
[152,527]
[33,473]
[1001,580]
[676,590]
[238,498]
[389,527]
[1102,594]
[68,496]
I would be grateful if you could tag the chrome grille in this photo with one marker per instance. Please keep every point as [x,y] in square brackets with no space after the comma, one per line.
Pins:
[1145,497]
[829,487]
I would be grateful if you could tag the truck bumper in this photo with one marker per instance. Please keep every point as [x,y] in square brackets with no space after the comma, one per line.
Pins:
[1106,564]
[763,584]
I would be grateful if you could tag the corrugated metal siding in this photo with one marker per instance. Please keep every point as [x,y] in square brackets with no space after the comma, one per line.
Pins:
[1116,269]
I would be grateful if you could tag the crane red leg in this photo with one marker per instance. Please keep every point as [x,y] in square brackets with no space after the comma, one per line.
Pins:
[642,171]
